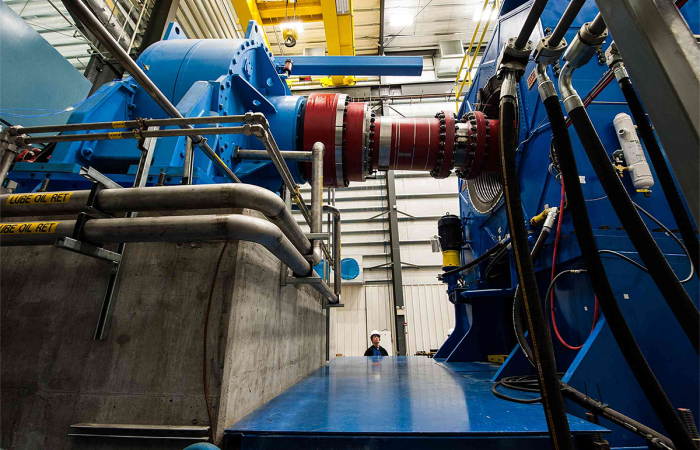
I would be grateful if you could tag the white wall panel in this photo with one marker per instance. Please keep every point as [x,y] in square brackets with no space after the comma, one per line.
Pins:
[349,324]
[429,315]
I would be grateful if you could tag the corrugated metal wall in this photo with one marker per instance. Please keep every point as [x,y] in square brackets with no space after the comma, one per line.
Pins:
[428,313]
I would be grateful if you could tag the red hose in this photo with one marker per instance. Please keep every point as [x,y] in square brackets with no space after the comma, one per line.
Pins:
[596,310]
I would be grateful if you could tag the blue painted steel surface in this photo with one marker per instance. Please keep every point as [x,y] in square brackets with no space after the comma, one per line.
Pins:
[36,80]
[396,402]
[599,366]
[356,65]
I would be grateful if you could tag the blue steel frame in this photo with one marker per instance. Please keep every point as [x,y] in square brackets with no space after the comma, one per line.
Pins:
[356,65]
[201,78]
[483,327]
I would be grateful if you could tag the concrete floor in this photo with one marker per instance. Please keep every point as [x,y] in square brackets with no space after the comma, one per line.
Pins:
[262,339]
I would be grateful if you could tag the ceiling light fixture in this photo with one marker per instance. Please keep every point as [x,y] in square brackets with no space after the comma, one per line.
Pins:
[401,18]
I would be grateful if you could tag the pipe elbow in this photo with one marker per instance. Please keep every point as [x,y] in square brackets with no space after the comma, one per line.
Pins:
[569,95]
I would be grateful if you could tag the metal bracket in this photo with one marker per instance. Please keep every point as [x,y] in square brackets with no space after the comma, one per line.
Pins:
[97,177]
[315,279]
[317,236]
[90,250]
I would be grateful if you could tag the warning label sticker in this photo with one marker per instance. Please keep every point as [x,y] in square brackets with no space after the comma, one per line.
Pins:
[29,227]
[39,199]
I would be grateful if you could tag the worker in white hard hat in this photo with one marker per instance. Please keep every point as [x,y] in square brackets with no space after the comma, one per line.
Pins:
[375,349]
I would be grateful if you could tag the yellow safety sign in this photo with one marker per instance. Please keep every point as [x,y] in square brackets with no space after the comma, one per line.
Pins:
[28,227]
[39,199]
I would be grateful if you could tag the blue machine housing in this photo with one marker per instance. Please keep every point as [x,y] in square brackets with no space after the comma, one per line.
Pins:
[483,307]
[201,78]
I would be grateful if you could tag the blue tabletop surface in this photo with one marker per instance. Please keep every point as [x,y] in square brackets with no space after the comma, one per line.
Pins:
[398,395]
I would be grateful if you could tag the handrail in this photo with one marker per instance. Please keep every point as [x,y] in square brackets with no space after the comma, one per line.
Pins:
[467,55]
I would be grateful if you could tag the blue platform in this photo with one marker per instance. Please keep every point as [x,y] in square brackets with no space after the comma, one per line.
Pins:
[405,402]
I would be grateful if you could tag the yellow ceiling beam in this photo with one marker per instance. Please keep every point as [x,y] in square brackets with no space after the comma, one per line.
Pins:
[277,12]
[340,31]
[340,37]
[247,10]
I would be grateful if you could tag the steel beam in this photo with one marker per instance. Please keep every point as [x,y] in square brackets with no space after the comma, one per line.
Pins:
[663,60]
[162,14]
[396,274]
[247,10]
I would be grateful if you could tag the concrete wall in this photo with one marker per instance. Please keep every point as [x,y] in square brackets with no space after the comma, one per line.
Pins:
[262,339]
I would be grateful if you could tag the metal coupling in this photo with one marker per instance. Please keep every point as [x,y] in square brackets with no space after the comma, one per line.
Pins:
[584,46]
[571,98]
[259,118]
[551,218]
[612,55]
[544,84]
[11,143]
[513,59]
[546,54]
[509,88]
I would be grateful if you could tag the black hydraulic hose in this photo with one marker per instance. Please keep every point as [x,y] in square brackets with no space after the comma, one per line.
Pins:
[552,400]
[601,285]
[661,272]
[528,383]
[565,22]
[597,26]
[532,18]
[480,259]
[663,171]
[615,417]
[518,299]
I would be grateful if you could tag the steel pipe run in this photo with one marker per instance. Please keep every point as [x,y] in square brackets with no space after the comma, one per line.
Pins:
[358,142]
[162,229]
[317,199]
[262,155]
[337,279]
[141,123]
[80,11]
[162,198]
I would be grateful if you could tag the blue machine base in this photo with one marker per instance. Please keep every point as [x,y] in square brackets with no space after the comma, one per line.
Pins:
[406,402]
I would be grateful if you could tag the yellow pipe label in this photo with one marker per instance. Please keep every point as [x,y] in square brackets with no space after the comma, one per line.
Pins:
[29,227]
[39,199]
[450,258]
[119,124]
[115,135]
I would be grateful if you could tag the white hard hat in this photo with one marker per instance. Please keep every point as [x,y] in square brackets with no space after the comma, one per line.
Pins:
[375,332]
[450,331]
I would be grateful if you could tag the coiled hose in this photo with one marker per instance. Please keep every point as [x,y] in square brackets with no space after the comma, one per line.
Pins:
[601,285]
[552,400]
